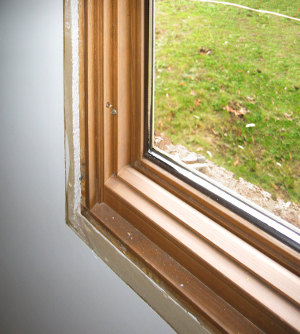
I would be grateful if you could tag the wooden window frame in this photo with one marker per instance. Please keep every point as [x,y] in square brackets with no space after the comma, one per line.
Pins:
[230,275]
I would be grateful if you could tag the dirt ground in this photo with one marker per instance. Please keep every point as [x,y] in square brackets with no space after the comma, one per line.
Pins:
[288,211]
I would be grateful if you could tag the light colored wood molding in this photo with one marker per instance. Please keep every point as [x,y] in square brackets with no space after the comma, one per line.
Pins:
[253,235]
[165,271]
[226,242]
[137,82]
[123,64]
[233,279]
[90,99]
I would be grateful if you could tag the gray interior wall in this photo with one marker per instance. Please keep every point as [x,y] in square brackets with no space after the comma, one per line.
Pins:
[50,281]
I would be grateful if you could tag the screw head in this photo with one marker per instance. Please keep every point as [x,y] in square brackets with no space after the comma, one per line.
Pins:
[114,112]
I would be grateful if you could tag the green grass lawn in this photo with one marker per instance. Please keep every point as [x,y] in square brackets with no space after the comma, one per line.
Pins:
[218,69]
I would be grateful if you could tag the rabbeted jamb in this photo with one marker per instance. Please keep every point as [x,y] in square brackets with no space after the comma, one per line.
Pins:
[113,89]
[129,82]
[138,79]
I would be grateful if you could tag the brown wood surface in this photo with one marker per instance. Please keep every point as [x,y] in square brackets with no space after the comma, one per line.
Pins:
[246,273]
[261,240]
[258,302]
[137,82]
[180,283]
[122,138]
[89,84]
[99,98]
[107,127]
[221,239]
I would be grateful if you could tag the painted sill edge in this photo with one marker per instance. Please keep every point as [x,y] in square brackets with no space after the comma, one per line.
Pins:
[136,275]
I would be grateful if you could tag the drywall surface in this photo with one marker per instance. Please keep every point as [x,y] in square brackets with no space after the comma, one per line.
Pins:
[50,281]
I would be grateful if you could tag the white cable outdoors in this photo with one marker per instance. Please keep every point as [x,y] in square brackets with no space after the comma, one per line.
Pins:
[255,10]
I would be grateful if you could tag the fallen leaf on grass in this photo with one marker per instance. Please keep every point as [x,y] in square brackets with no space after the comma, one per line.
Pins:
[205,51]
[250,99]
[236,162]
[182,84]
[242,111]
[215,132]
[197,102]
[288,116]
[193,93]
[250,125]
[237,110]
[229,109]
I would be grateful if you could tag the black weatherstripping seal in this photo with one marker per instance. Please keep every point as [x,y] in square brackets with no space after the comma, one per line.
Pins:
[242,209]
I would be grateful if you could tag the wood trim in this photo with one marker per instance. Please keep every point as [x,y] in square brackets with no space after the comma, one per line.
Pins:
[107,127]
[220,238]
[99,100]
[242,267]
[89,70]
[259,239]
[122,64]
[137,82]
[241,287]
[177,281]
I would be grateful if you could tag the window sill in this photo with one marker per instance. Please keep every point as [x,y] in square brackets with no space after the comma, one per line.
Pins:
[215,292]
[259,288]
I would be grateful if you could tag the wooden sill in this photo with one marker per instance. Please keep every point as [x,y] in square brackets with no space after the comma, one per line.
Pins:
[260,290]
[246,231]
[186,289]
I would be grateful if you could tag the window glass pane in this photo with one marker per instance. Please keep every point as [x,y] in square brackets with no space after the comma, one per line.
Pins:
[227,96]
